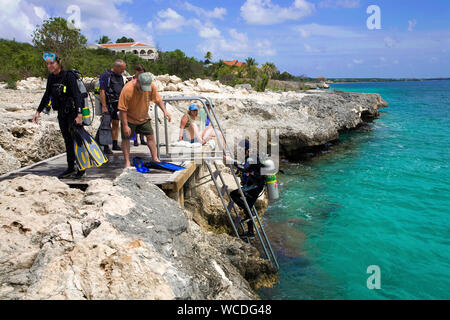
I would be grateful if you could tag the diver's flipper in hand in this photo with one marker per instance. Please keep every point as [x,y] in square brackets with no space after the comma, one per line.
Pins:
[96,154]
[82,157]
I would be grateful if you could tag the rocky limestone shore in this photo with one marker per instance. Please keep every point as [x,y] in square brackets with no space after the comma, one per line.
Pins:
[121,240]
[296,85]
[127,239]
[305,119]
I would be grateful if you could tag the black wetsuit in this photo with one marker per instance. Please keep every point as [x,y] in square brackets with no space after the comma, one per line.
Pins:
[68,104]
[113,84]
[252,185]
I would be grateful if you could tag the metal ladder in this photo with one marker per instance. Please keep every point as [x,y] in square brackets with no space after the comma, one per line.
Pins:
[230,208]
[222,188]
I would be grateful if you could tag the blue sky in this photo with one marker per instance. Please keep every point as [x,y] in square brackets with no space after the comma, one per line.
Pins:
[311,37]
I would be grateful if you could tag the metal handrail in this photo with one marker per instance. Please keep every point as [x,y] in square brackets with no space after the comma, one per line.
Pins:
[262,236]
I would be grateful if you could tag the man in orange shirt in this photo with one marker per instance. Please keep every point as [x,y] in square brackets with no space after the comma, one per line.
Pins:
[134,102]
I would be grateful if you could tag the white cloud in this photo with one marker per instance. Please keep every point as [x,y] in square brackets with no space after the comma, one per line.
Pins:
[170,20]
[40,12]
[18,18]
[382,59]
[217,13]
[390,42]
[209,32]
[350,4]
[236,45]
[265,48]
[315,29]
[264,12]
[358,61]
[411,25]
[310,49]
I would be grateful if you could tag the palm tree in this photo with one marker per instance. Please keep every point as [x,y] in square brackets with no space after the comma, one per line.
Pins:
[208,57]
[269,68]
[251,66]
[103,40]
[250,62]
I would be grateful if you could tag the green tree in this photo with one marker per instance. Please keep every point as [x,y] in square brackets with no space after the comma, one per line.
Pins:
[262,83]
[19,61]
[177,63]
[251,67]
[208,57]
[103,40]
[55,35]
[269,68]
[124,40]
[251,62]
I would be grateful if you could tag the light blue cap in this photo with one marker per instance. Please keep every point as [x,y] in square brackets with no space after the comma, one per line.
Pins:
[193,107]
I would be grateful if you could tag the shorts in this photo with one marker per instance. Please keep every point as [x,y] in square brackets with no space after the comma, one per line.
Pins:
[185,138]
[114,111]
[145,128]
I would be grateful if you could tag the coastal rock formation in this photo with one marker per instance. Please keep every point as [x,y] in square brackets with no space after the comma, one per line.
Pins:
[121,240]
[31,83]
[296,85]
[305,119]
[23,141]
[7,162]
[127,240]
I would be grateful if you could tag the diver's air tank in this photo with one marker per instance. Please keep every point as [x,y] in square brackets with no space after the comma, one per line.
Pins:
[87,120]
[98,103]
[271,180]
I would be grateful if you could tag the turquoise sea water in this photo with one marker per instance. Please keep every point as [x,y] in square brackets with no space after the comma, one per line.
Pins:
[379,198]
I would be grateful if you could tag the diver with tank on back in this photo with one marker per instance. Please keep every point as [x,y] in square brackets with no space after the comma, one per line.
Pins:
[253,180]
[63,91]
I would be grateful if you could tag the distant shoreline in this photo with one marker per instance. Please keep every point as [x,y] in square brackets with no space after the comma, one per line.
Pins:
[337,81]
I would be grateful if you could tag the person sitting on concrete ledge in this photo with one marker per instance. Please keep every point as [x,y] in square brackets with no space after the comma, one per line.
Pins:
[208,132]
[189,130]
[134,103]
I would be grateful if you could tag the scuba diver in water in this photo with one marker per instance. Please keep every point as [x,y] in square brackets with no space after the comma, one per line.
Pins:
[252,184]
[66,98]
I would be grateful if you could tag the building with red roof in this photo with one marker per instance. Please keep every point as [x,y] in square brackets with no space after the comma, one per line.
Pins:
[145,51]
[234,63]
